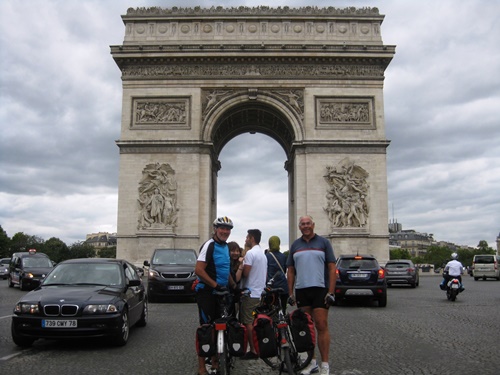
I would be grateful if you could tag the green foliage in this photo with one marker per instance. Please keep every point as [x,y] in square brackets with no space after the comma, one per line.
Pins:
[81,250]
[399,254]
[438,256]
[4,244]
[108,252]
[24,242]
[56,249]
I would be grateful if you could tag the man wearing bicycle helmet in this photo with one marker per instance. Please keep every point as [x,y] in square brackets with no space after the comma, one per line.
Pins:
[311,276]
[213,271]
[452,269]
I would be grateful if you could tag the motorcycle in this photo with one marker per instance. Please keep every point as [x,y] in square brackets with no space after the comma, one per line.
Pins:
[453,288]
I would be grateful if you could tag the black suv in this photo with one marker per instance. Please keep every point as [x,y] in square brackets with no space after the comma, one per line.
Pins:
[401,271]
[28,269]
[171,273]
[360,276]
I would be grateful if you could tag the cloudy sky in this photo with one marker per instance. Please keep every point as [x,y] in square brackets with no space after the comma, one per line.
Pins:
[60,110]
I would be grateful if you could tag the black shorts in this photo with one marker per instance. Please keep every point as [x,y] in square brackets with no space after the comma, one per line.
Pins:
[311,297]
[208,308]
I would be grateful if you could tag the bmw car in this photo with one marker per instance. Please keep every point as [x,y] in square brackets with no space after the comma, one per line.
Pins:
[82,298]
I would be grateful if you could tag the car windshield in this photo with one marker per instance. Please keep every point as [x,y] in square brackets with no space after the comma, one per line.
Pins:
[85,274]
[36,262]
[358,263]
[5,261]
[185,257]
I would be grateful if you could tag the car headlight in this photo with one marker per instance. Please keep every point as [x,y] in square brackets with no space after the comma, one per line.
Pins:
[26,308]
[28,275]
[100,309]
[153,273]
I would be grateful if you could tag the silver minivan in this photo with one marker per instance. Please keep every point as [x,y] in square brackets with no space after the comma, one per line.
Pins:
[486,266]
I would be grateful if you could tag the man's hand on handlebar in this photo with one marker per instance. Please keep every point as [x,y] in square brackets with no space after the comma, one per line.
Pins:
[291,300]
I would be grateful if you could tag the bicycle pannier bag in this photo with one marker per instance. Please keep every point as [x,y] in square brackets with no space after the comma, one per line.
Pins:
[264,337]
[205,340]
[303,332]
[237,338]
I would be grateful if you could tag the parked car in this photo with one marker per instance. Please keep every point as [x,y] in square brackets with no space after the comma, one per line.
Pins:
[82,298]
[28,268]
[360,276]
[486,266]
[4,268]
[401,271]
[171,273]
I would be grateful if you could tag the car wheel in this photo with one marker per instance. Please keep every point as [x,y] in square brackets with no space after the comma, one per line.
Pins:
[23,342]
[21,284]
[382,301]
[413,284]
[144,316]
[476,278]
[121,337]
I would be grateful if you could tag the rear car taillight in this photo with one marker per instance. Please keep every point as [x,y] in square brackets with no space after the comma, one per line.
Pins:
[381,273]
[337,273]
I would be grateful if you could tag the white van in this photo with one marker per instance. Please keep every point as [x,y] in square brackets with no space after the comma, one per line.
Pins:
[486,266]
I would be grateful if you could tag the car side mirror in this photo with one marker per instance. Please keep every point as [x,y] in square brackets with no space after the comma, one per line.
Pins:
[133,282]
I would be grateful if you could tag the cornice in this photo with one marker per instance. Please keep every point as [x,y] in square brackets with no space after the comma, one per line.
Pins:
[250,11]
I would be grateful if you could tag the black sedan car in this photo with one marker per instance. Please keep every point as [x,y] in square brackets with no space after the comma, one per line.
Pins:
[360,276]
[82,298]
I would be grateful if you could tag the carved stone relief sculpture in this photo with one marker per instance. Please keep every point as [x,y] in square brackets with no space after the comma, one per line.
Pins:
[344,113]
[157,198]
[347,195]
[155,112]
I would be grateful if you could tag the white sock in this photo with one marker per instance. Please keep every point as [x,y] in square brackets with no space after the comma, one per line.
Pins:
[325,364]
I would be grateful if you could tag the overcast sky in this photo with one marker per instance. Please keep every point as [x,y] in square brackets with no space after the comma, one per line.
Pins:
[60,113]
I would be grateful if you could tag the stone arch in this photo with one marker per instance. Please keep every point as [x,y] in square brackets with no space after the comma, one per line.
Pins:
[263,114]
[194,78]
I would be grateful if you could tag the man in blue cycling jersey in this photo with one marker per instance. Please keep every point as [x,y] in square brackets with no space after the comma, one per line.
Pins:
[213,271]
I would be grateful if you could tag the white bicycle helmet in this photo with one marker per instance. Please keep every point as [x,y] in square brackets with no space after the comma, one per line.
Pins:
[223,221]
[454,256]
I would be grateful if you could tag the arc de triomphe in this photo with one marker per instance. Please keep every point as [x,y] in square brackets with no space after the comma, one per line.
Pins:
[194,78]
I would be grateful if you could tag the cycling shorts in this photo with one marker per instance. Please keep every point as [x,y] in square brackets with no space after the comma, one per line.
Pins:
[313,297]
[208,308]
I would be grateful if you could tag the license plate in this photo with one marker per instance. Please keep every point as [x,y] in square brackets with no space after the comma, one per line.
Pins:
[49,323]
[176,287]
[359,275]
[454,286]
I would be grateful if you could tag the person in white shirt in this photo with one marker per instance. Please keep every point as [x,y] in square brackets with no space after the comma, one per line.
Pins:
[254,276]
[453,269]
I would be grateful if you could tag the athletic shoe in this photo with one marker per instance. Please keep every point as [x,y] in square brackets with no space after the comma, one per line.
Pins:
[311,368]
[325,370]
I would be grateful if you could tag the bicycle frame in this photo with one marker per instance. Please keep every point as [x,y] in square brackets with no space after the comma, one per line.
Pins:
[288,358]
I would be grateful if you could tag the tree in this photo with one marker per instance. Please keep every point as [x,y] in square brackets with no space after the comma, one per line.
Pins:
[484,248]
[438,256]
[108,252]
[4,244]
[24,242]
[399,254]
[56,249]
[81,250]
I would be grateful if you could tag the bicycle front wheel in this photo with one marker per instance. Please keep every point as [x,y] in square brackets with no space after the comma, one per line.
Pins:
[287,362]
[224,362]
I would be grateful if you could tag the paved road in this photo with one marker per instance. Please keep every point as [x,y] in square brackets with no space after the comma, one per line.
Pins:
[419,332]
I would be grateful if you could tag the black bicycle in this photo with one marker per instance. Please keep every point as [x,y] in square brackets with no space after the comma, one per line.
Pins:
[288,359]
[224,357]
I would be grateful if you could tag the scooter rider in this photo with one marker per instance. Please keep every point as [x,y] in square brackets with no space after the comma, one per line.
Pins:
[453,269]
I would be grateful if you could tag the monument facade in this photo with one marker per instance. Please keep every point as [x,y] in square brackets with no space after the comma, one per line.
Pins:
[195,78]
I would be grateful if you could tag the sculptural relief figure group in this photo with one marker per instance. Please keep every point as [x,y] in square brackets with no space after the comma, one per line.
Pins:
[157,197]
[347,195]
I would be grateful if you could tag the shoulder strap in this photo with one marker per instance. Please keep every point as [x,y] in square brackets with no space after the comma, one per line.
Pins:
[279,265]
